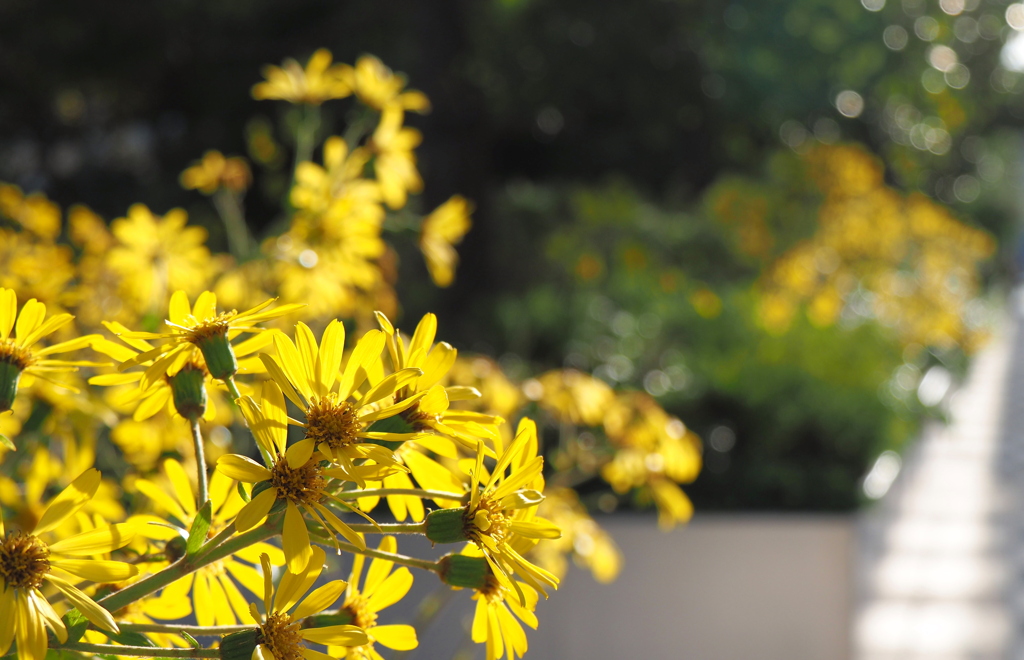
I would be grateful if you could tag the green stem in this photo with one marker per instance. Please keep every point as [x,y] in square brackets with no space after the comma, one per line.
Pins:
[171,628]
[206,555]
[222,535]
[197,443]
[305,134]
[233,388]
[390,528]
[415,492]
[423,564]
[141,651]
[230,210]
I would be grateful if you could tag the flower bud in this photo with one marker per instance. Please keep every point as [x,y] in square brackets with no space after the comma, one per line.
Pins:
[446,526]
[464,571]
[239,645]
[189,391]
[220,357]
[10,373]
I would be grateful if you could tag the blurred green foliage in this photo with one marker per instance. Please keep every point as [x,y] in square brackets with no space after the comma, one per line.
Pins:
[594,138]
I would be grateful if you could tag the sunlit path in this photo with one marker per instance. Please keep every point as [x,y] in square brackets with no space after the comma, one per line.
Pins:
[939,576]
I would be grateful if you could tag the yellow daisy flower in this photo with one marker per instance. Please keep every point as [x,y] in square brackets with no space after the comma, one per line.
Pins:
[395,163]
[494,623]
[381,589]
[27,562]
[500,518]
[19,359]
[215,596]
[324,385]
[432,413]
[215,171]
[378,87]
[294,475]
[201,330]
[320,81]
[280,632]
[439,233]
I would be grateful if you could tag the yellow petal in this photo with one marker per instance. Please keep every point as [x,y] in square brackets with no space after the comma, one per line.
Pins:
[182,485]
[101,539]
[391,590]
[256,510]
[294,585]
[89,609]
[291,364]
[295,539]
[206,306]
[277,372]
[320,599]
[179,309]
[422,338]
[32,313]
[367,350]
[70,500]
[439,361]
[30,629]
[242,468]
[305,343]
[336,635]
[397,637]
[299,453]
[204,606]
[332,348]
[97,570]
[8,312]
[162,499]
[8,616]
[380,568]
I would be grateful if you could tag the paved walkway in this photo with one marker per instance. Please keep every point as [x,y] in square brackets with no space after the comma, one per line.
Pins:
[941,556]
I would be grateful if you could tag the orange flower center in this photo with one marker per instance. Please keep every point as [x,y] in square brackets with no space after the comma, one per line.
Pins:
[303,485]
[332,422]
[281,635]
[487,519]
[24,560]
[18,356]
[357,607]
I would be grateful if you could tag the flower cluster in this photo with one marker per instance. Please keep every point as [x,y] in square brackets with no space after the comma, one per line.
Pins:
[247,443]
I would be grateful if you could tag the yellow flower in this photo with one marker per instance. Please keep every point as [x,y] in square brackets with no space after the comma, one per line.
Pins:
[378,87]
[381,589]
[582,538]
[494,623]
[201,331]
[323,385]
[432,413]
[319,82]
[18,358]
[394,162]
[500,518]
[573,396]
[157,255]
[441,230]
[294,475]
[215,171]
[281,634]
[216,598]
[27,562]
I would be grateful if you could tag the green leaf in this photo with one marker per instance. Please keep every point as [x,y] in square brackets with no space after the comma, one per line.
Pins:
[241,491]
[200,526]
[6,442]
[190,639]
[393,424]
[76,623]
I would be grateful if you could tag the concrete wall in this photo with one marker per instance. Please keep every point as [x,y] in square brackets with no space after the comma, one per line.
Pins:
[724,587]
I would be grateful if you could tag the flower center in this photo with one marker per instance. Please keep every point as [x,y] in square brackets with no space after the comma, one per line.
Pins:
[492,589]
[208,329]
[24,560]
[332,422]
[303,485]
[418,420]
[17,356]
[488,519]
[281,635]
[357,607]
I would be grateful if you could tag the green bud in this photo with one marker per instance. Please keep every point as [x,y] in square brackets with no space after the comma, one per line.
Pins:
[10,373]
[446,526]
[464,571]
[189,391]
[220,357]
[175,549]
[239,645]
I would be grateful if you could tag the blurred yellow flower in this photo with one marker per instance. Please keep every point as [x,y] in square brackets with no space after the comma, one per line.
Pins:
[378,87]
[394,161]
[215,171]
[320,81]
[440,231]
